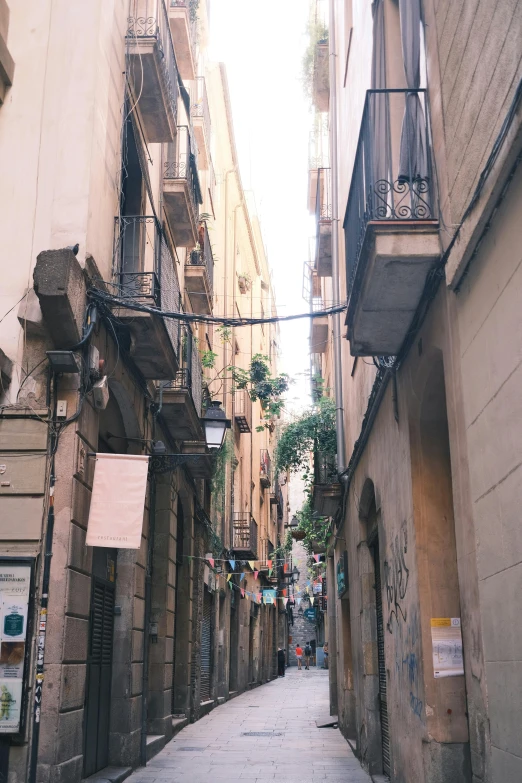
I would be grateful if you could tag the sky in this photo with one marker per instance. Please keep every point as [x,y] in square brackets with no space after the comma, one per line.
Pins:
[262,46]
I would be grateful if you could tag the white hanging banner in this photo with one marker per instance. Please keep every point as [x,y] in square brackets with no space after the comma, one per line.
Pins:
[118,501]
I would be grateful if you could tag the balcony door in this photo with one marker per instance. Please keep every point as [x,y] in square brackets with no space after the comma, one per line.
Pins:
[132,205]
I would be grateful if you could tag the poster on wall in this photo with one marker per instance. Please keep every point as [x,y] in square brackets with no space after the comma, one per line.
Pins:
[15,586]
[446,638]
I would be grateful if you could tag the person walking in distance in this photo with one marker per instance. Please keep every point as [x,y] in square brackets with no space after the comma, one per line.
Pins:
[299,655]
[281,662]
[307,654]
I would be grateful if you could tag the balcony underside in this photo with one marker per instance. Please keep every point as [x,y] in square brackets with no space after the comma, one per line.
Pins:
[201,467]
[326,499]
[394,262]
[181,38]
[151,348]
[242,422]
[323,260]
[245,553]
[198,289]
[319,334]
[202,142]
[180,415]
[313,176]
[264,480]
[149,85]
[180,212]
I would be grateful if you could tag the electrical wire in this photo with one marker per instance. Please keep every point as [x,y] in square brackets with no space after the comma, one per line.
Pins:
[100,296]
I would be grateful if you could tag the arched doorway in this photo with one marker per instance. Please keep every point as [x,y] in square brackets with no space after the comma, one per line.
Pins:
[182,618]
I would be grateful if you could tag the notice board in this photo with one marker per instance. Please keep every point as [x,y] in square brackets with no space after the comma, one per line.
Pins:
[15,593]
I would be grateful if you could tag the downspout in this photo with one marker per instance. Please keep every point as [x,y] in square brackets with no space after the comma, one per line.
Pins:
[226,528]
[338,378]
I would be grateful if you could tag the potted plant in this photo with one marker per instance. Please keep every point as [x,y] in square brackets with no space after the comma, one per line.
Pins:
[244,282]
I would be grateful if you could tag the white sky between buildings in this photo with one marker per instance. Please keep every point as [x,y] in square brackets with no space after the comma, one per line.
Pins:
[262,46]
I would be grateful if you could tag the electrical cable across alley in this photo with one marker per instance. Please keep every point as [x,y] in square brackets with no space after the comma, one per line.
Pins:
[96,295]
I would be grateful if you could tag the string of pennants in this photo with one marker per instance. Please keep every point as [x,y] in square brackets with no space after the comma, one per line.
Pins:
[265,596]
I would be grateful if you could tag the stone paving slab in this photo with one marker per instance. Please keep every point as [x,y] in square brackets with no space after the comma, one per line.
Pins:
[218,750]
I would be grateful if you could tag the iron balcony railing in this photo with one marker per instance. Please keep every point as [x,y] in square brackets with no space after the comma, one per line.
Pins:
[265,468]
[190,380]
[392,173]
[143,266]
[323,201]
[243,410]
[244,533]
[193,21]
[203,256]
[325,468]
[265,554]
[181,164]
[199,105]
[148,19]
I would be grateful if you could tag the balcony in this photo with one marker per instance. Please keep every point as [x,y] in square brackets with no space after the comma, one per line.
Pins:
[199,274]
[200,115]
[152,70]
[146,274]
[181,406]
[327,490]
[318,327]
[244,535]
[243,410]
[391,228]
[323,220]
[321,77]
[181,188]
[265,469]
[183,27]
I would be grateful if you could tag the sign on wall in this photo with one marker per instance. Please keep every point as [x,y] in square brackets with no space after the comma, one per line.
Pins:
[446,638]
[342,574]
[15,588]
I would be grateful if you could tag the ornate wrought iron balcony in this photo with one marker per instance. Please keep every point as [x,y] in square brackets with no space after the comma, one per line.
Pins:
[152,71]
[323,219]
[184,30]
[181,188]
[144,271]
[200,114]
[244,535]
[199,274]
[265,468]
[327,490]
[391,229]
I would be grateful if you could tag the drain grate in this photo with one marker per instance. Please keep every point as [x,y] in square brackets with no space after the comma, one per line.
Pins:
[262,733]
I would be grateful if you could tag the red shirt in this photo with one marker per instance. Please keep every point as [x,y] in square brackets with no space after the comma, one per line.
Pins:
[298,651]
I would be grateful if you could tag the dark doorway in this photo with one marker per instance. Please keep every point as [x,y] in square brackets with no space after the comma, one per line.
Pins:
[206,646]
[234,643]
[383,698]
[99,661]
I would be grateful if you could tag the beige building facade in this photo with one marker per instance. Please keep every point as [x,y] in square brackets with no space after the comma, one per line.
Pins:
[120,189]
[424,118]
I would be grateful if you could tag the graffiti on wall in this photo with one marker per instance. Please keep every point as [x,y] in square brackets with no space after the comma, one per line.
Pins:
[396,578]
[407,663]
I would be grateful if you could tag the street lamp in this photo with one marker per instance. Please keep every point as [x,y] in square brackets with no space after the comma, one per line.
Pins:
[215,424]
[295,575]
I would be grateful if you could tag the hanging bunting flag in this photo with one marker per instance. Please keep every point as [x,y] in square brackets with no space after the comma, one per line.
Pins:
[269,563]
[316,558]
[242,592]
[232,564]
[270,572]
[230,585]
[312,599]
[298,599]
[229,577]
[308,590]
[211,562]
[284,591]
[285,601]
[255,574]
[242,576]
[259,597]
[285,568]
[252,564]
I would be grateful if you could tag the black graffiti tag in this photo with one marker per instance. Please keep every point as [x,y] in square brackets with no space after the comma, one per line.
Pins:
[396,578]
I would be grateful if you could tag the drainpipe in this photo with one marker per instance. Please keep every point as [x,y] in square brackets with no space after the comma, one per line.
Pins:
[338,379]
[227,528]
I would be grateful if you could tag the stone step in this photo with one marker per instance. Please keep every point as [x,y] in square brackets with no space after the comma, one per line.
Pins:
[110,775]
[155,743]
[178,724]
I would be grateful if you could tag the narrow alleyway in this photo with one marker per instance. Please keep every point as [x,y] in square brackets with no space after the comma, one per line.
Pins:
[266,734]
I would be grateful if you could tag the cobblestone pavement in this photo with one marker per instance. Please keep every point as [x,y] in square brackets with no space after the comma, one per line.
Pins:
[220,747]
